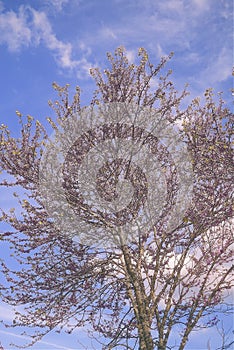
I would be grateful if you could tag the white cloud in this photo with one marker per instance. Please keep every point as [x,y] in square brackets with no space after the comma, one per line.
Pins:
[201,5]
[193,29]
[131,55]
[220,68]
[160,51]
[15,32]
[106,32]
[166,23]
[6,313]
[176,8]
[172,5]
[84,48]
[24,337]
[30,27]
[42,32]
[1,6]
[57,4]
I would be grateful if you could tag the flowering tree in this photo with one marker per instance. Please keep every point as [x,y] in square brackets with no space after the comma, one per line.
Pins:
[174,275]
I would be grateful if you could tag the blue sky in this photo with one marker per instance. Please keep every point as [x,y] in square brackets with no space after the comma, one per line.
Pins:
[42,41]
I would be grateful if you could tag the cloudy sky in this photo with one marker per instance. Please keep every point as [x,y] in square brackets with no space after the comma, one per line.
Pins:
[42,41]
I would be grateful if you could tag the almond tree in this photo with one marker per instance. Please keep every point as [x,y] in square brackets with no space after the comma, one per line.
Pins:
[135,295]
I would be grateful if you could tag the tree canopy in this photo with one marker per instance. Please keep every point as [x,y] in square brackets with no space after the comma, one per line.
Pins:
[163,278]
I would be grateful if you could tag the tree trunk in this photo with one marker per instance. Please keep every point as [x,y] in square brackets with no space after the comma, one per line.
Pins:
[145,337]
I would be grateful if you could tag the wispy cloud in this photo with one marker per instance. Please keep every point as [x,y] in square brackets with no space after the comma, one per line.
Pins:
[220,68]
[201,5]
[24,337]
[43,33]
[162,26]
[15,32]
[57,4]
[108,33]
[169,24]
[198,31]
[6,313]
[30,27]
